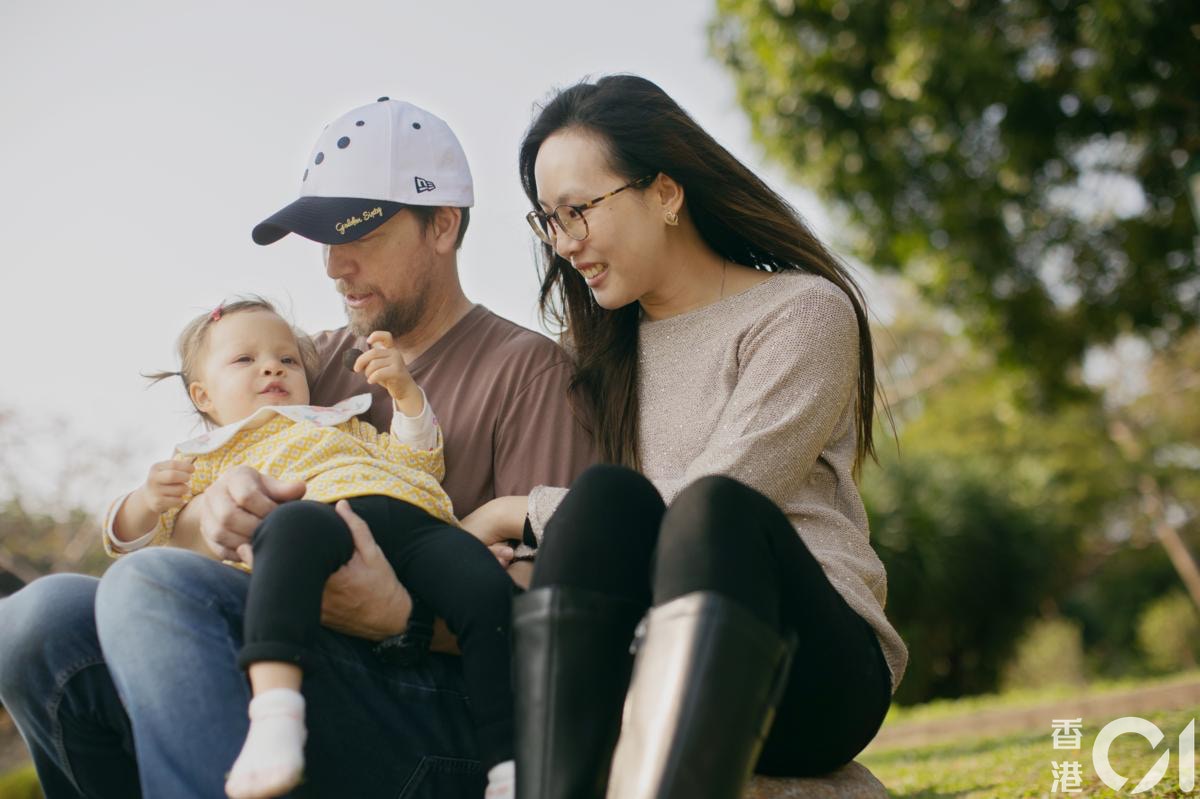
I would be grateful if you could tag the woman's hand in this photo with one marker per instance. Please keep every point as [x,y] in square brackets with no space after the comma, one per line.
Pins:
[498,521]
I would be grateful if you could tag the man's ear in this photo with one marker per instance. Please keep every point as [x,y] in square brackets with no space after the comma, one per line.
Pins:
[199,396]
[446,221]
[669,193]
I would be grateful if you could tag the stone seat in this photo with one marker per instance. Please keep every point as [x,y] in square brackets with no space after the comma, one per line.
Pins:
[851,781]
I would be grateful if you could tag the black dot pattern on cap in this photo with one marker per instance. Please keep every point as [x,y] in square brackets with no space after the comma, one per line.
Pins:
[360,123]
[343,142]
[383,99]
[305,176]
[416,126]
[320,157]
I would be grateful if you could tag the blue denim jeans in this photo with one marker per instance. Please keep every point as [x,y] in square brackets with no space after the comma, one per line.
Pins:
[169,624]
[56,686]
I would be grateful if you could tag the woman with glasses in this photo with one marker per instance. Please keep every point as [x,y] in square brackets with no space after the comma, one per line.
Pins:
[724,362]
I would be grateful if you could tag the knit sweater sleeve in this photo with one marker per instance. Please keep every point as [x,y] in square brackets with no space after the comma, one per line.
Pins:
[797,377]
[543,501]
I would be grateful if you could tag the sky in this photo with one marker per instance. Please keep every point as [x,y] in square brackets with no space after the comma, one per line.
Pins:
[143,140]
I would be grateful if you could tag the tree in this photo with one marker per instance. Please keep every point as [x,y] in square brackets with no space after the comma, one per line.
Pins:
[1048,478]
[1022,160]
[968,567]
[52,483]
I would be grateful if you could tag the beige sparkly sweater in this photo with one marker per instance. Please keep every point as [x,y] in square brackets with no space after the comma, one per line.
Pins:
[761,386]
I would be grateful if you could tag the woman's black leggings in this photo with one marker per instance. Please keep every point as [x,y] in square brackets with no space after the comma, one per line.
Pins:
[613,534]
[300,544]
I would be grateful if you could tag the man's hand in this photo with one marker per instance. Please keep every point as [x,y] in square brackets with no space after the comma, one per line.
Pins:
[363,598]
[233,506]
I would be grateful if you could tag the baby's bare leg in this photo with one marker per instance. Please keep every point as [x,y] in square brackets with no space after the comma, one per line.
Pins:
[271,762]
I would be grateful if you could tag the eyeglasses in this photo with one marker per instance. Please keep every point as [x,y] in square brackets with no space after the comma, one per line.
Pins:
[570,219]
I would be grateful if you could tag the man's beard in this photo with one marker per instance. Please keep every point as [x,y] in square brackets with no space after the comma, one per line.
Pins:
[399,318]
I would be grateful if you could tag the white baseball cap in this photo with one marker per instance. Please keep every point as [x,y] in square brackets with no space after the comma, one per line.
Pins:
[366,166]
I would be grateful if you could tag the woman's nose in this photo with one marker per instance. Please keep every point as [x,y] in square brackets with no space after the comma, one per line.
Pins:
[565,246]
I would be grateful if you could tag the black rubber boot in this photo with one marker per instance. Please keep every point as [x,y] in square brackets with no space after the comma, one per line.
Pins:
[571,668]
[708,676]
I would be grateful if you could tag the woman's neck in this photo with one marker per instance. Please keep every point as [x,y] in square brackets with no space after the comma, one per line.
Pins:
[692,275]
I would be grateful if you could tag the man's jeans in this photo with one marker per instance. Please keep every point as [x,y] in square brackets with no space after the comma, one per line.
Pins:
[169,624]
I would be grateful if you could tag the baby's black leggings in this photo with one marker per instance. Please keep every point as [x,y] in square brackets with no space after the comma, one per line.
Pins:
[300,544]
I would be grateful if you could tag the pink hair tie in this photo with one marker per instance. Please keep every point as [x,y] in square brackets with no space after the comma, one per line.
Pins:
[216,313]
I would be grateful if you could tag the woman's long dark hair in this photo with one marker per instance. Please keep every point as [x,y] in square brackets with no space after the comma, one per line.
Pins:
[737,214]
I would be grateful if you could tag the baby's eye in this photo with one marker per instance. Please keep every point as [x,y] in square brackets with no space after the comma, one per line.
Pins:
[289,360]
[243,359]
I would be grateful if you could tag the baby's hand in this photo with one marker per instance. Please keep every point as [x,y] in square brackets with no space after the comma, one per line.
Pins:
[383,365]
[167,484]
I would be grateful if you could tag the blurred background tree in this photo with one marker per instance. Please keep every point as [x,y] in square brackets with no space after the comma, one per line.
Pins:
[51,499]
[1023,166]
[1022,161]
[1018,547]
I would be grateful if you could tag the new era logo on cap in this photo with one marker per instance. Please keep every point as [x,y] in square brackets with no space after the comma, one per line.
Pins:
[377,159]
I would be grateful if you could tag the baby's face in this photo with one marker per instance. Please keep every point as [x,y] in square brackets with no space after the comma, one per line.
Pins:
[250,360]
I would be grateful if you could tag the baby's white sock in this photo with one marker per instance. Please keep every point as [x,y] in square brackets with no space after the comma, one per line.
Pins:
[502,781]
[272,759]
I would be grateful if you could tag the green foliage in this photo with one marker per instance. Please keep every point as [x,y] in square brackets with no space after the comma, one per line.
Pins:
[1111,588]
[1031,699]
[986,512]
[1060,465]
[1022,161]
[954,406]
[33,543]
[967,568]
[1169,632]
[20,784]
[1049,653]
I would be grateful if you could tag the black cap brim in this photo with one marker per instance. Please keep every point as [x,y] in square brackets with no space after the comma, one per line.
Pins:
[328,220]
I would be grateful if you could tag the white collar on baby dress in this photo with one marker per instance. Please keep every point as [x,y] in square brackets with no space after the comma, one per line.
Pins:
[317,414]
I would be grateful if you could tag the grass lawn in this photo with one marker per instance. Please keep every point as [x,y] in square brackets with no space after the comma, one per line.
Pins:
[979,767]
[1019,765]
[20,784]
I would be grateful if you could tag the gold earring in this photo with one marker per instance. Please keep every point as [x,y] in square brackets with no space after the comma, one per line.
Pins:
[671,217]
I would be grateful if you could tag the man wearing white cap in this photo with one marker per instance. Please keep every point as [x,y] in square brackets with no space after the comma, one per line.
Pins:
[386,189]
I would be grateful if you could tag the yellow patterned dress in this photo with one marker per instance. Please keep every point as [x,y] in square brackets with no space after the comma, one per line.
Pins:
[335,454]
